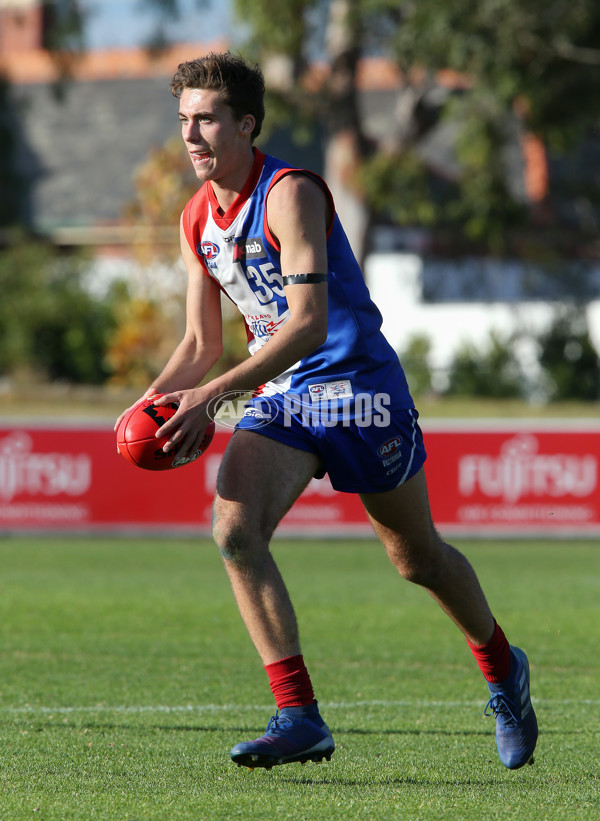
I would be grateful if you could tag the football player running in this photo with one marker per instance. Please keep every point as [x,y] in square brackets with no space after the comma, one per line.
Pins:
[330,397]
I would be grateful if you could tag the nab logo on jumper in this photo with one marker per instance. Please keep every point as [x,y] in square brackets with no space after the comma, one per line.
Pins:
[251,248]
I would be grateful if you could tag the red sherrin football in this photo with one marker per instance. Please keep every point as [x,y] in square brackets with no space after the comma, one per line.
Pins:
[137,443]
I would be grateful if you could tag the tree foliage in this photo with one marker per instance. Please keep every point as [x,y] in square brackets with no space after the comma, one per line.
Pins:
[483,74]
[568,358]
[143,337]
[547,56]
[415,361]
[528,68]
[517,68]
[50,326]
[493,372]
[163,183]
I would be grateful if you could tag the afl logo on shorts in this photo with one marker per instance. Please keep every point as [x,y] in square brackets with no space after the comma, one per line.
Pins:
[389,447]
[208,250]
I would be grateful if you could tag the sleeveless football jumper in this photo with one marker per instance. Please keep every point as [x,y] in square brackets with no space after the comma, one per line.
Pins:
[353,378]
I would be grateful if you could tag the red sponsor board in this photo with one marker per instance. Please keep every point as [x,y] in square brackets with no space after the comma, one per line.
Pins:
[57,478]
[515,478]
[501,479]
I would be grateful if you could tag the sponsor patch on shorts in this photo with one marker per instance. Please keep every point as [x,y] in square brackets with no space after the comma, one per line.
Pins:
[330,390]
[390,451]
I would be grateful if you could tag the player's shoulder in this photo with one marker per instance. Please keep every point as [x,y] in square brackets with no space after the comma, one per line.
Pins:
[293,185]
[198,199]
[195,210]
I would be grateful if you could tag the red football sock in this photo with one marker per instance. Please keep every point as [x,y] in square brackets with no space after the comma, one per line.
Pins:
[290,682]
[493,658]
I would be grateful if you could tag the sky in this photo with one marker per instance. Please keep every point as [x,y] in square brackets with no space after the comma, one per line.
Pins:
[126,23]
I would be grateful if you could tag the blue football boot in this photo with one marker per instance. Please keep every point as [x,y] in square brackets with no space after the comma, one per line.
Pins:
[293,734]
[510,704]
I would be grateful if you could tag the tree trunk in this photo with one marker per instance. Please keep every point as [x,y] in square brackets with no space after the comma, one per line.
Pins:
[346,144]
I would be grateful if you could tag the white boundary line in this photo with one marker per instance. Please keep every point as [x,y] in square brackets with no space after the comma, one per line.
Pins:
[29,709]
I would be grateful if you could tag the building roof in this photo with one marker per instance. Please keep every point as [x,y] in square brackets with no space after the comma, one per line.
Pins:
[79,142]
[79,153]
[35,66]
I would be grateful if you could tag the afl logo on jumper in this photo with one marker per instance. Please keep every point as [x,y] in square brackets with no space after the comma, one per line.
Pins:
[208,250]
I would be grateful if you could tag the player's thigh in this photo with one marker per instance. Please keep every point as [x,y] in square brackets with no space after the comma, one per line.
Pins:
[402,520]
[259,480]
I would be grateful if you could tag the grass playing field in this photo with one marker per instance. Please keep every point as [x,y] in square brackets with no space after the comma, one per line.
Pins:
[126,676]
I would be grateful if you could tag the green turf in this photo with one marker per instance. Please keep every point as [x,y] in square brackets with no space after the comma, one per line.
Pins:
[127,676]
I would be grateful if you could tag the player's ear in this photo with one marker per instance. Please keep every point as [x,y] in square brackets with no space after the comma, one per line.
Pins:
[247,124]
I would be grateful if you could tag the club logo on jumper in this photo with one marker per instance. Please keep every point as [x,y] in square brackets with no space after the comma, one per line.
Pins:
[209,250]
[330,390]
[339,389]
[263,327]
[248,248]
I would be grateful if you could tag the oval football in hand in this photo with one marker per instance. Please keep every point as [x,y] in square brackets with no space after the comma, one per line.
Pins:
[137,441]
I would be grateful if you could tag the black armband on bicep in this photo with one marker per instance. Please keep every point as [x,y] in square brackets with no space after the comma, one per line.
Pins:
[304,279]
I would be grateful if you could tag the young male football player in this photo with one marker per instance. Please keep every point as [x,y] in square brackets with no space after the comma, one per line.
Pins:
[331,397]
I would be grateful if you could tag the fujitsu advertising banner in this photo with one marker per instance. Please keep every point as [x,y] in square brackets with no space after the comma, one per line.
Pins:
[70,478]
[515,478]
[502,478]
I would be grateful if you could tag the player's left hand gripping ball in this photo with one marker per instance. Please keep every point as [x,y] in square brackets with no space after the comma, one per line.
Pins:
[137,443]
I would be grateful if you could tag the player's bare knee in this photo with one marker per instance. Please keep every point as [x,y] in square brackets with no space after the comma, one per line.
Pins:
[416,572]
[239,540]
[230,538]
[418,563]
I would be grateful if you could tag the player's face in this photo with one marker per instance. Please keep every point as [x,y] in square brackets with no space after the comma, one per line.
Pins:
[218,144]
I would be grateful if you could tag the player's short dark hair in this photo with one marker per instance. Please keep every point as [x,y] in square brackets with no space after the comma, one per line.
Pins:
[240,85]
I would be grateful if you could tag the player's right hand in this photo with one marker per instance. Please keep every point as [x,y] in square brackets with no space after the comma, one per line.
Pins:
[150,392]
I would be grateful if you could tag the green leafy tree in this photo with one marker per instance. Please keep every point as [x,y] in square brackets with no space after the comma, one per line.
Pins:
[50,326]
[492,372]
[142,339]
[517,68]
[568,358]
[415,361]
[528,68]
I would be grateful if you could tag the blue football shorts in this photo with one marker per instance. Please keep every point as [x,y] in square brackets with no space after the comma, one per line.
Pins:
[363,450]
